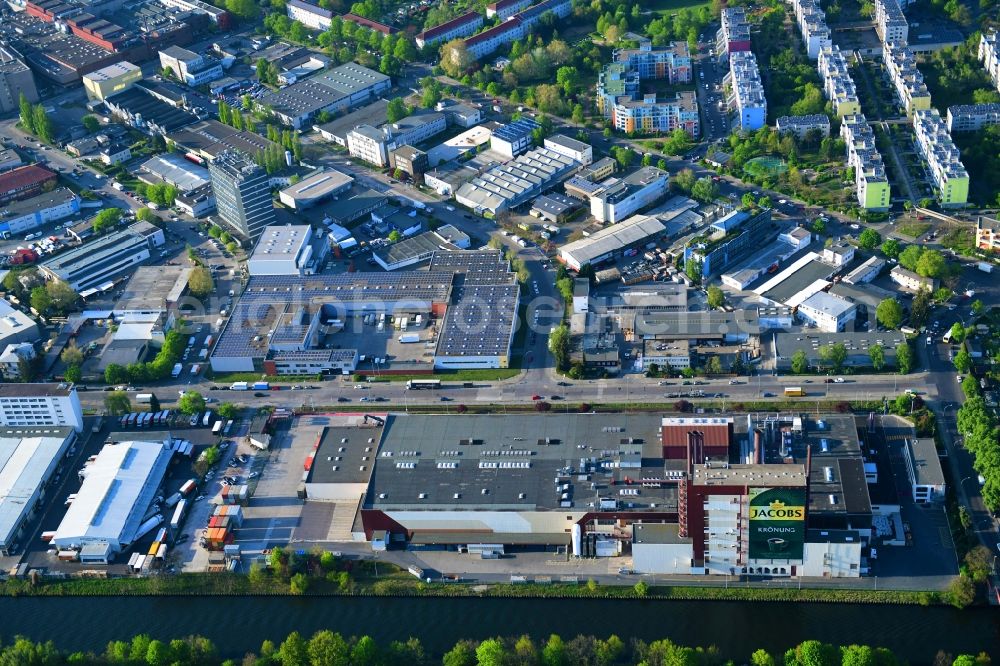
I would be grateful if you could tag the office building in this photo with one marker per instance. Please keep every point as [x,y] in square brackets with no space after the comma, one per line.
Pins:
[17,217]
[509,185]
[15,79]
[219,17]
[989,55]
[728,239]
[571,148]
[242,194]
[890,22]
[31,457]
[310,15]
[987,235]
[923,469]
[119,486]
[972,117]
[461,26]
[336,130]
[907,81]
[97,264]
[734,34]
[801,126]
[942,157]
[514,138]
[411,161]
[288,250]
[828,313]
[32,405]
[333,90]
[838,86]
[190,67]
[619,198]
[871,183]
[746,96]
[457,113]
[373,144]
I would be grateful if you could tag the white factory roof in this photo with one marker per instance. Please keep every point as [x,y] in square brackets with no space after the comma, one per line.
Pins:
[281,242]
[317,186]
[613,238]
[118,488]
[13,322]
[27,458]
[173,169]
[831,305]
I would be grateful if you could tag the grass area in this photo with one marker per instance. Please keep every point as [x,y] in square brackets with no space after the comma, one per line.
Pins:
[394,582]
[913,229]
[960,239]
[671,6]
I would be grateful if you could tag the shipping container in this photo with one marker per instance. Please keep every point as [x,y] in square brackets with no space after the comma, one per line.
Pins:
[229,426]
[47,536]
[161,552]
[217,428]
[176,372]
[139,561]
[188,486]
[208,341]
[144,398]
[155,546]
[175,520]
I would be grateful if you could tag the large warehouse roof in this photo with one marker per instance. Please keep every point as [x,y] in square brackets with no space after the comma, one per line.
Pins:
[28,456]
[118,488]
[612,239]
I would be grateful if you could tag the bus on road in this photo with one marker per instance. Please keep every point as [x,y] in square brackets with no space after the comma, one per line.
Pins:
[794,392]
[415,384]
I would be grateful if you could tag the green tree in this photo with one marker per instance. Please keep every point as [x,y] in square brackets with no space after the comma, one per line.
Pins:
[200,282]
[243,10]
[920,308]
[554,652]
[146,215]
[869,239]
[115,374]
[963,361]
[106,220]
[909,257]
[27,114]
[559,345]
[228,410]
[890,248]
[684,181]
[748,200]
[819,226]
[904,358]
[293,651]
[979,564]
[44,129]
[394,236]
[117,403]
[931,264]
[705,190]
[73,374]
[90,123]
[834,355]
[71,354]
[957,333]
[40,300]
[889,313]
[961,592]
[299,584]
[800,362]
[977,307]
[396,109]
[877,355]
[641,589]
[464,653]
[715,297]
[761,658]
[191,403]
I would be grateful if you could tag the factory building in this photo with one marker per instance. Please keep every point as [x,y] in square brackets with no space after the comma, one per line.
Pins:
[30,405]
[112,79]
[730,238]
[611,241]
[29,457]
[17,217]
[619,198]
[110,511]
[95,265]
[509,185]
[337,89]
[288,250]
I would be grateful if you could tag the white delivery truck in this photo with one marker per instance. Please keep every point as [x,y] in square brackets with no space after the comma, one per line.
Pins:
[238,386]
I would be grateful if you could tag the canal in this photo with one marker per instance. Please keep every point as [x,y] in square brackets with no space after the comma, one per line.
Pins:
[239,624]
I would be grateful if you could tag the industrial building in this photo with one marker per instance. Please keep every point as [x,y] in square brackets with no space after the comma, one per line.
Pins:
[870,180]
[190,67]
[173,169]
[514,183]
[907,81]
[112,79]
[972,117]
[17,217]
[29,457]
[288,250]
[23,182]
[373,144]
[205,140]
[460,26]
[554,207]
[411,251]
[801,126]
[514,138]
[611,241]
[151,292]
[942,157]
[828,313]
[282,322]
[618,198]
[32,405]
[746,91]
[571,148]
[242,194]
[337,89]
[15,79]
[314,188]
[858,346]
[110,511]
[866,272]
[337,130]
[15,326]
[97,264]
[139,108]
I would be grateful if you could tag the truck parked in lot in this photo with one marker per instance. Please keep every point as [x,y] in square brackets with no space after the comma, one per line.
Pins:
[239,386]
[144,398]
[985,266]
[176,372]
[261,386]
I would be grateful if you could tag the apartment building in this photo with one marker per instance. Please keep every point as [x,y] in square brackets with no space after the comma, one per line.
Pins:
[838,86]
[515,26]
[462,26]
[989,55]
[671,62]
[942,157]
[906,79]
[26,405]
[972,117]
[890,23]
[504,9]
[734,34]
[746,91]
[800,126]
[988,233]
[811,20]
[308,14]
[871,183]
